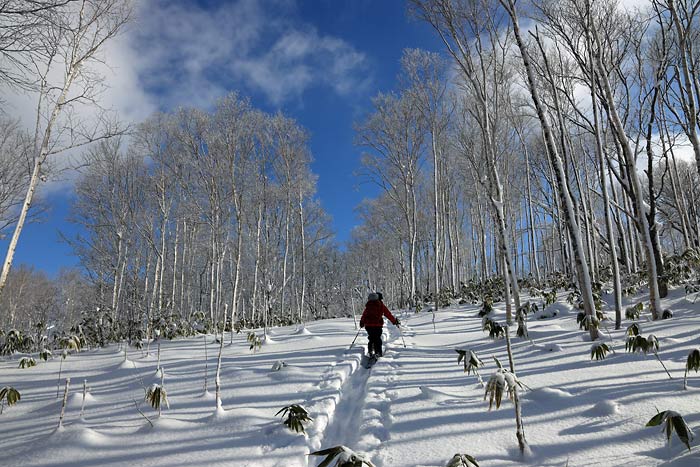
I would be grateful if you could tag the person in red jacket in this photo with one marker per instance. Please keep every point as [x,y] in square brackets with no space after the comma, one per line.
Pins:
[373,321]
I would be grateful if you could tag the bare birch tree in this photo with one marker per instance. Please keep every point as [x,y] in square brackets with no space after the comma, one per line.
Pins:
[70,44]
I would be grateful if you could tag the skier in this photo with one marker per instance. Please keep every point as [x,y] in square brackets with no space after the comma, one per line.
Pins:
[373,321]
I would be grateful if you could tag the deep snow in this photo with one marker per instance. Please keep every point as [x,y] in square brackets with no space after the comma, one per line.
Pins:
[414,407]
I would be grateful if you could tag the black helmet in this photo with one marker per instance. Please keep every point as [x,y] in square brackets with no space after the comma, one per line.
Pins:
[379,294]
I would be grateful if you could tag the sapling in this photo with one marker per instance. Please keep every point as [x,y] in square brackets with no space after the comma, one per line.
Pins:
[45,354]
[673,421]
[599,350]
[638,343]
[156,395]
[343,457]
[521,318]
[496,386]
[550,297]
[206,365]
[693,363]
[82,405]
[573,297]
[15,341]
[63,405]
[462,460]
[486,307]
[27,362]
[585,322]
[10,395]
[504,381]
[471,362]
[633,329]
[157,334]
[633,312]
[64,355]
[494,329]
[68,344]
[296,417]
[254,341]
[217,380]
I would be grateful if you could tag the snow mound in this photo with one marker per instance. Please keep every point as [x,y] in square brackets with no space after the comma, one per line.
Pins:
[76,399]
[207,395]
[285,371]
[434,394]
[128,365]
[268,340]
[551,347]
[165,423]
[604,408]
[302,331]
[547,395]
[555,309]
[244,417]
[78,436]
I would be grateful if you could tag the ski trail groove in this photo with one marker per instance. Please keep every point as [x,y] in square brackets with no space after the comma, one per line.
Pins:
[353,406]
[327,405]
[347,416]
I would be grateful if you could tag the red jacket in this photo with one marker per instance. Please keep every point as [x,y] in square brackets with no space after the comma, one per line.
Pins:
[374,313]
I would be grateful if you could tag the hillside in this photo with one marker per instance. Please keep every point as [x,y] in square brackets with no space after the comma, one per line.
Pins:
[416,406]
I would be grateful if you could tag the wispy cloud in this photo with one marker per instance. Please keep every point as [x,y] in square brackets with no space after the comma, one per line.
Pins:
[189,54]
[184,53]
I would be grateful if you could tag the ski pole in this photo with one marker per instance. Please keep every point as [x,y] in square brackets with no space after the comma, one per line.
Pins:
[401,334]
[353,341]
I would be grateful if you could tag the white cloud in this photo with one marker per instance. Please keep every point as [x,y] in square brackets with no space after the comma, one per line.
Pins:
[180,54]
[189,55]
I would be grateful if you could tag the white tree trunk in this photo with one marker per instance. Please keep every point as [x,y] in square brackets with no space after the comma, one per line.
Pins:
[635,186]
[580,258]
[217,381]
[617,288]
[688,83]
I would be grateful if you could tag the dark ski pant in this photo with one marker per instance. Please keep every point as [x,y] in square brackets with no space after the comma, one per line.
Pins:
[374,334]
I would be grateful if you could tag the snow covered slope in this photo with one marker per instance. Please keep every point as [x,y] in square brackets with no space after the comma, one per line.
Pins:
[415,406]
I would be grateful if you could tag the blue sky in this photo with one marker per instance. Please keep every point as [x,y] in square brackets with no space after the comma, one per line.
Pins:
[319,61]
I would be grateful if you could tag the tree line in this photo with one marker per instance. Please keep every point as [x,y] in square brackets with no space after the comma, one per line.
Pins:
[546,140]
[523,153]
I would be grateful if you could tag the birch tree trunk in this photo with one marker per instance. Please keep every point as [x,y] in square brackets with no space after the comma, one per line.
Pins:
[633,181]
[217,380]
[688,84]
[302,241]
[579,253]
[617,288]
[70,40]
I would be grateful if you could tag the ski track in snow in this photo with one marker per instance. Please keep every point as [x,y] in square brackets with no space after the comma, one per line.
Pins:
[353,407]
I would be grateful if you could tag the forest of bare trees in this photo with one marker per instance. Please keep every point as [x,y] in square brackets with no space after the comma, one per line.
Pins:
[548,144]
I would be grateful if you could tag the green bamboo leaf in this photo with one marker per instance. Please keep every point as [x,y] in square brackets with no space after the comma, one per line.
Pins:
[27,362]
[462,460]
[296,417]
[354,460]
[461,355]
[682,430]
[10,394]
[693,362]
[657,419]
